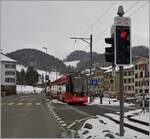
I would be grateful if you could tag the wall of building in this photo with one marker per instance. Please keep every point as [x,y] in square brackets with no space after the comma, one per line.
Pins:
[8,77]
[141,73]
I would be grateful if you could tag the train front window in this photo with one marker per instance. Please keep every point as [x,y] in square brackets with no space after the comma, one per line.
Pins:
[79,86]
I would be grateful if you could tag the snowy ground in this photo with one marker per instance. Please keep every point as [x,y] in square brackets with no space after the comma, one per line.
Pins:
[101,127]
[117,117]
[72,63]
[109,102]
[26,89]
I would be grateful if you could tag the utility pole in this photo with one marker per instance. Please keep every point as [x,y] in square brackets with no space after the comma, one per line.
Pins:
[46,69]
[91,60]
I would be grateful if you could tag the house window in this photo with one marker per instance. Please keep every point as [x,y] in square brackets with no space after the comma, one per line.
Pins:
[129,88]
[9,73]
[11,66]
[136,75]
[125,80]
[129,80]
[136,83]
[125,73]
[10,80]
[132,79]
[136,67]
[129,73]
[141,74]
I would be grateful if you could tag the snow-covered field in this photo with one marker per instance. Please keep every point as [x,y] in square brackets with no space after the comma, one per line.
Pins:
[116,117]
[26,89]
[109,102]
[72,63]
[144,116]
[101,127]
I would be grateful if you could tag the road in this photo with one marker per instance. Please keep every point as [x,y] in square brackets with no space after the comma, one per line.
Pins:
[27,116]
[68,115]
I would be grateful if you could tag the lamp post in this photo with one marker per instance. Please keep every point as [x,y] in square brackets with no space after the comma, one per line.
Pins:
[46,68]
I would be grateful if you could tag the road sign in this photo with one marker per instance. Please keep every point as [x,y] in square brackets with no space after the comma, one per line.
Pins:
[93,82]
[46,77]
[122,21]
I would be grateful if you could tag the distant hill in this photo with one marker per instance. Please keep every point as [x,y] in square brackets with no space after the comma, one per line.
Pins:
[79,55]
[140,51]
[37,58]
[99,59]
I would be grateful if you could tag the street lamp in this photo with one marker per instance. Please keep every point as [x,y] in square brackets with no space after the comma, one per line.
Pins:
[46,69]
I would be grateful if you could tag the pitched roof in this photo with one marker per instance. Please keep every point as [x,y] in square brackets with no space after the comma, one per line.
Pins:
[7,59]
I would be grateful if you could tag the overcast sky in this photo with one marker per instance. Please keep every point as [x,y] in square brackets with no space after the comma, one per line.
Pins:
[37,24]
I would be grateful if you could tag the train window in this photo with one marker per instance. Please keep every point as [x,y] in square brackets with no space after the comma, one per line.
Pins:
[68,87]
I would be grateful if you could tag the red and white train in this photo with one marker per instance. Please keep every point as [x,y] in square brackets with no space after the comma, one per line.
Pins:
[70,89]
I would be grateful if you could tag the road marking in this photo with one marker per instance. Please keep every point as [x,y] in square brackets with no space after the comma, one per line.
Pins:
[38,103]
[19,104]
[29,104]
[58,119]
[64,124]
[61,121]
[10,104]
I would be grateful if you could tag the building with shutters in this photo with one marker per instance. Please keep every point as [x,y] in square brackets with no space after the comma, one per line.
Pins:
[8,75]
[141,75]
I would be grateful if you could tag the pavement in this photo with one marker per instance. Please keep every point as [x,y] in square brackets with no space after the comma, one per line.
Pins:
[27,116]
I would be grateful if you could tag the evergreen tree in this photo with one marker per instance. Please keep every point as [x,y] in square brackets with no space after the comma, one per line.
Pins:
[31,76]
[22,77]
[18,77]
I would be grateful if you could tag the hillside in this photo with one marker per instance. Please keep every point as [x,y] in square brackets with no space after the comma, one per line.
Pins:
[79,55]
[37,58]
[99,59]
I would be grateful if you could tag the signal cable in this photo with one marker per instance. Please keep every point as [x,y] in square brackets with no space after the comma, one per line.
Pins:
[99,18]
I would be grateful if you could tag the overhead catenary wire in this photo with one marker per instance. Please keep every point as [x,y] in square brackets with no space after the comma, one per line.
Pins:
[106,29]
[99,18]
[138,9]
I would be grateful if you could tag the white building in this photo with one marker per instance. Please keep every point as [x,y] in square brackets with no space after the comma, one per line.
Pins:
[8,75]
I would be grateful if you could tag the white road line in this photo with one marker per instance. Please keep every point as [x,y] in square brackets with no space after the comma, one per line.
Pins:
[19,104]
[55,117]
[58,119]
[72,124]
[38,103]
[61,122]
[64,124]
[10,104]
[29,104]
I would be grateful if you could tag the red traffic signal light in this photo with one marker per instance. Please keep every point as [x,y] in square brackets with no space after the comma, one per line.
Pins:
[122,45]
[123,34]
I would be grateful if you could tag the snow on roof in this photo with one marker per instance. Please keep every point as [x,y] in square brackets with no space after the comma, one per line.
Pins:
[106,68]
[110,69]
[128,66]
[5,58]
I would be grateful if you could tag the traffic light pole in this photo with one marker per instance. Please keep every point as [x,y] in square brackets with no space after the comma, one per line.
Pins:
[91,55]
[121,101]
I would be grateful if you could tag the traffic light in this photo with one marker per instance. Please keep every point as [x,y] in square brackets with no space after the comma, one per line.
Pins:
[122,45]
[109,51]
